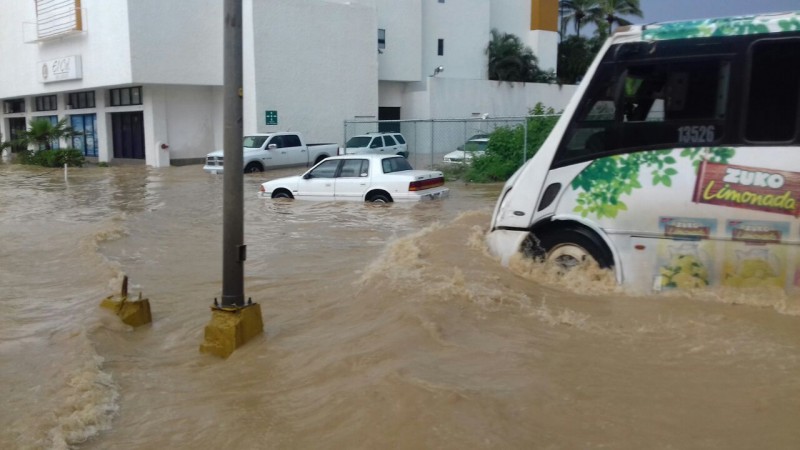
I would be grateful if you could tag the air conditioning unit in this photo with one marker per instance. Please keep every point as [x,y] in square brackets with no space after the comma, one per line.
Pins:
[68,106]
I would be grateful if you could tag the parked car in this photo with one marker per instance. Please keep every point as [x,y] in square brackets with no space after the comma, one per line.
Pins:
[475,146]
[377,143]
[371,178]
[273,150]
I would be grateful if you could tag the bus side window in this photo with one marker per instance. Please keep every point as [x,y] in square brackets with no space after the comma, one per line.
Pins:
[774,91]
[669,104]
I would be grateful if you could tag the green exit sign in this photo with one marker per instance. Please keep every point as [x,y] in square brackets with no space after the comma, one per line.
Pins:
[271,117]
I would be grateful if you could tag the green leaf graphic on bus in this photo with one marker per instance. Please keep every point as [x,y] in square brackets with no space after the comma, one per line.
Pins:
[721,155]
[735,26]
[606,180]
[792,24]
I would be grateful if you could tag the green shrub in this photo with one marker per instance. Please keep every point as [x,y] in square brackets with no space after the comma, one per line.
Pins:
[53,158]
[506,150]
[452,172]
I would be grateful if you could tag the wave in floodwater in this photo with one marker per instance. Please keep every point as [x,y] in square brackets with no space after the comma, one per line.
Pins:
[59,394]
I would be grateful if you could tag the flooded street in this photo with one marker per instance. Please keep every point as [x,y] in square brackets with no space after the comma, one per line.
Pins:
[384,327]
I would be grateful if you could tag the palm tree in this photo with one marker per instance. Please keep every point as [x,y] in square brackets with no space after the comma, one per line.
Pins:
[510,59]
[612,11]
[4,144]
[580,12]
[42,133]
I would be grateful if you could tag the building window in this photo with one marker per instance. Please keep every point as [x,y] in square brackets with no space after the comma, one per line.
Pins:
[441,1]
[440,50]
[16,105]
[46,103]
[126,96]
[80,100]
[85,139]
[381,39]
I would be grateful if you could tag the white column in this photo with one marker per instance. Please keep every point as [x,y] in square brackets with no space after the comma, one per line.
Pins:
[156,130]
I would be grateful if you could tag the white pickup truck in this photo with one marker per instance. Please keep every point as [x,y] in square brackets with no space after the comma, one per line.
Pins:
[273,150]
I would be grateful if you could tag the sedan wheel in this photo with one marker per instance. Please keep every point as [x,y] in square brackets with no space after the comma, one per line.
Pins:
[380,198]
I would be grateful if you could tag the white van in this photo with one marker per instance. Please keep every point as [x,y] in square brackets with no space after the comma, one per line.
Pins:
[676,164]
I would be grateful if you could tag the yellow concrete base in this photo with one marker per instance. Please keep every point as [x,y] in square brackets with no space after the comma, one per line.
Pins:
[132,312]
[230,328]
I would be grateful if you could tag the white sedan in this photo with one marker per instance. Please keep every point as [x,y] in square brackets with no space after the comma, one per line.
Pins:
[475,146]
[371,178]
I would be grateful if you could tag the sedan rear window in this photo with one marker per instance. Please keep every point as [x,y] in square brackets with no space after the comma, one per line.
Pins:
[398,164]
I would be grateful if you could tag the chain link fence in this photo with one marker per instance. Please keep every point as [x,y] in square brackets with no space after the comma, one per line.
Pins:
[429,140]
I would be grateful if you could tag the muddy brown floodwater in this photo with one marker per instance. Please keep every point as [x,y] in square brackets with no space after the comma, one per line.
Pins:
[385,327]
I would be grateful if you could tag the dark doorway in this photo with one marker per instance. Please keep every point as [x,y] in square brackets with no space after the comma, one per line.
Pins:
[389,113]
[16,125]
[128,134]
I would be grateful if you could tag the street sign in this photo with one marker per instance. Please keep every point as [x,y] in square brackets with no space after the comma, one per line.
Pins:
[271,117]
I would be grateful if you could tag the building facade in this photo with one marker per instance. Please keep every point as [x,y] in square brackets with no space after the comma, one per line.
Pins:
[142,79]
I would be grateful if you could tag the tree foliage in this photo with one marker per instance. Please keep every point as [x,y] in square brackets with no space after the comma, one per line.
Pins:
[42,133]
[580,13]
[53,158]
[576,53]
[598,12]
[613,10]
[507,152]
[511,60]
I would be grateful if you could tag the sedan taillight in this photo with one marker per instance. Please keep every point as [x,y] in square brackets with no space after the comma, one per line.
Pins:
[421,185]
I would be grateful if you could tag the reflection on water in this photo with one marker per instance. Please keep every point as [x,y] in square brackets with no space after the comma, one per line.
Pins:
[385,326]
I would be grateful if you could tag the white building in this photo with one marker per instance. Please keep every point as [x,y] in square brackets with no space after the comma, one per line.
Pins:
[142,79]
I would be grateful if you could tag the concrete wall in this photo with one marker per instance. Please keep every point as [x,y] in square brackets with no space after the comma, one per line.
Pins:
[465,27]
[176,42]
[511,16]
[191,127]
[401,60]
[461,98]
[315,76]
[104,48]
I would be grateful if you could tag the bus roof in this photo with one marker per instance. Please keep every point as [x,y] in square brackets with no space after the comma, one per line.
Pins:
[726,26]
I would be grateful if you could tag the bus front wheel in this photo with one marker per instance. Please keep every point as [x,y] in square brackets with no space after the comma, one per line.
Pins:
[569,247]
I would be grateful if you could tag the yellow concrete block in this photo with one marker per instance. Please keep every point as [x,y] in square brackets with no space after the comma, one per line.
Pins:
[230,328]
[132,312]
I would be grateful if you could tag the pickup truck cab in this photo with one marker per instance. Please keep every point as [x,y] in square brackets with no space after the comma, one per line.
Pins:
[273,150]
[370,178]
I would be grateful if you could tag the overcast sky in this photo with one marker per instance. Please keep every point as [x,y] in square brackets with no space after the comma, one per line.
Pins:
[666,10]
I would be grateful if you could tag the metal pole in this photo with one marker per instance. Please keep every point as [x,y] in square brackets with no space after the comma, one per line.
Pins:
[525,141]
[233,248]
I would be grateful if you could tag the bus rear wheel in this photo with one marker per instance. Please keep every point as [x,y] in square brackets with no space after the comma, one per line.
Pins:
[568,248]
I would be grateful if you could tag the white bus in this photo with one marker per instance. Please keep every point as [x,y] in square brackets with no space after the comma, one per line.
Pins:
[676,164]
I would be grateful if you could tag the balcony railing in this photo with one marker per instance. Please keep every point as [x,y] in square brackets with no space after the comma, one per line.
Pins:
[55,19]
